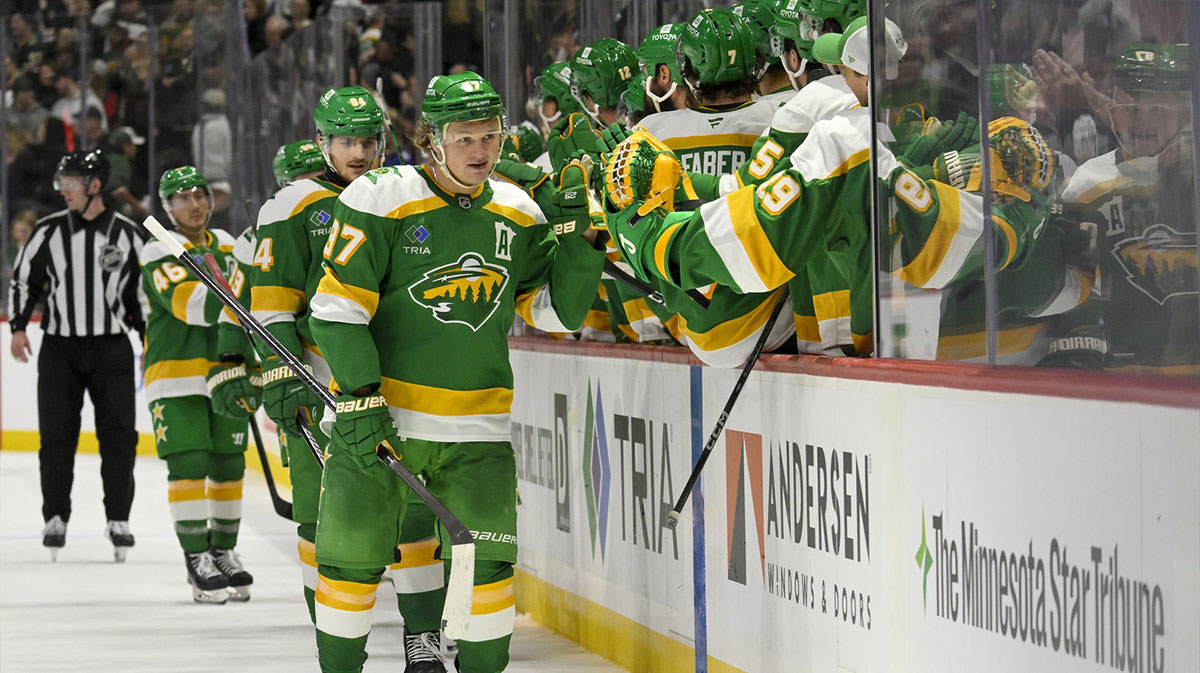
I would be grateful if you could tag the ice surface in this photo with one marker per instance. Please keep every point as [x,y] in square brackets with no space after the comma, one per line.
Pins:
[86,613]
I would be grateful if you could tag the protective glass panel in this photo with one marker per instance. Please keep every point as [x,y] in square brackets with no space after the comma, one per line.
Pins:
[1075,245]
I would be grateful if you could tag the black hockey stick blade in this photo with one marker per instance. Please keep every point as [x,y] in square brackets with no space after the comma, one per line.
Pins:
[282,507]
[674,514]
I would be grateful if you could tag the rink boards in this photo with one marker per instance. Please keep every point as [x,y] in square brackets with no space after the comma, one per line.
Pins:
[845,523]
[866,516]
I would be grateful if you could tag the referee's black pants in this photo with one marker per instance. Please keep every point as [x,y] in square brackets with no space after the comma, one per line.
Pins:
[102,365]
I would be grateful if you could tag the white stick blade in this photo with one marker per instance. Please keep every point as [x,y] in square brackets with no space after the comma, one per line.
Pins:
[460,590]
[157,231]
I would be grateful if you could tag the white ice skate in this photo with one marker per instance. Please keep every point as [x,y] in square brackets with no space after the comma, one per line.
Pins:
[118,533]
[54,536]
[230,564]
[209,584]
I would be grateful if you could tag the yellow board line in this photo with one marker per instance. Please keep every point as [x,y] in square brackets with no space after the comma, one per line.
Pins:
[604,631]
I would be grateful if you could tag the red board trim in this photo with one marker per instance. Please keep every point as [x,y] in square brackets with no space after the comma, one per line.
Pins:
[1168,391]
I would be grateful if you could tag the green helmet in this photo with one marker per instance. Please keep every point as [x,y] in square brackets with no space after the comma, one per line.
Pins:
[524,144]
[178,180]
[348,111]
[555,84]
[841,11]
[658,48]
[1144,66]
[760,15]
[717,47]
[602,71]
[463,97]
[790,24]
[292,159]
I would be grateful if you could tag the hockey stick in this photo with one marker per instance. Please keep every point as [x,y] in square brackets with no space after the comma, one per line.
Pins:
[673,516]
[460,586]
[642,287]
[282,507]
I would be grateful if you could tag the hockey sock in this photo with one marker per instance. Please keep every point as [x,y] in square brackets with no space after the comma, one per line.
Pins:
[344,601]
[306,546]
[186,472]
[484,648]
[225,472]
[420,587]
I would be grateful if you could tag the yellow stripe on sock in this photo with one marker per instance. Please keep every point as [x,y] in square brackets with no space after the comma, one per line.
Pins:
[225,490]
[346,596]
[185,489]
[417,554]
[493,597]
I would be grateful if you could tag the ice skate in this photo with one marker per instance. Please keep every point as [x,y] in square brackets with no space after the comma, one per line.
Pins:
[230,565]
[118,533]
[54,536]
[421,652]
[209,584]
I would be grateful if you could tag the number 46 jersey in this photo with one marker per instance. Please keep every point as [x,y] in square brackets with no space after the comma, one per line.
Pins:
[421,286]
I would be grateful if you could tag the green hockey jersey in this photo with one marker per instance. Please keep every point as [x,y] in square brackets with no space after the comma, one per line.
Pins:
[181,327]
[757,239]
[293,226]
[421,286]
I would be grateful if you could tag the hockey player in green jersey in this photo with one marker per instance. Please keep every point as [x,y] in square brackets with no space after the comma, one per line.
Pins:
[293,229]
[555,101]
[1137,206]
[199,426]
[425,268]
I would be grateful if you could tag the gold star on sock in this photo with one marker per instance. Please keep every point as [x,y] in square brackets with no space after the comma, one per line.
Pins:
[160,433]
[158,411]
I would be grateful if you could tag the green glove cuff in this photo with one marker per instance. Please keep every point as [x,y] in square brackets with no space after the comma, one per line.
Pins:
[362,424]
[232,344]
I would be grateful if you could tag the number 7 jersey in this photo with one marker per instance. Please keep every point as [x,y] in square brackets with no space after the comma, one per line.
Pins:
[421,286]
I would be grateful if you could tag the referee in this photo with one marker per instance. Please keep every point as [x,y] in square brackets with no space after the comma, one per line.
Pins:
[83,263]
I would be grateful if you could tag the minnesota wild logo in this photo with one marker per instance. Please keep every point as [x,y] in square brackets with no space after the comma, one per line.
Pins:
[1161,262]
[466,292]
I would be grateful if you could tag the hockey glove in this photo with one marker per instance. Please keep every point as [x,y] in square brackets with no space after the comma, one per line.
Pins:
[641,171]
[284,394]
[1082,347]
[569,137]
[613,135]
[949,136]
[362,424]
[569,209]
[1022,164]
[232,390]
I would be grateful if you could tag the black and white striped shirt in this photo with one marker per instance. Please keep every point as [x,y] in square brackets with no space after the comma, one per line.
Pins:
[86,272]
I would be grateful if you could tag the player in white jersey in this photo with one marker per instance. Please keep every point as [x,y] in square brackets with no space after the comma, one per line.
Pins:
[721,67]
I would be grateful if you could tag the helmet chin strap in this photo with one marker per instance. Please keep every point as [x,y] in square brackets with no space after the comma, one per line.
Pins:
[793,76]
[550,121]
[441,163]
[655,98]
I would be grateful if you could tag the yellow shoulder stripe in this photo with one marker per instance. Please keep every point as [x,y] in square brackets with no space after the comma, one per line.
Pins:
[522,218]
[767,264]
[925,265]
[417,207]
[310,199]
[333,286]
